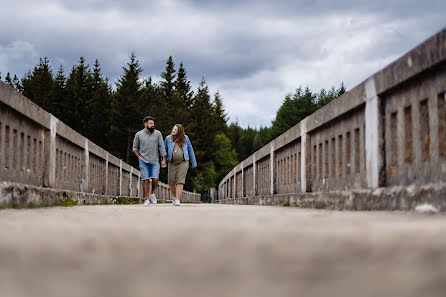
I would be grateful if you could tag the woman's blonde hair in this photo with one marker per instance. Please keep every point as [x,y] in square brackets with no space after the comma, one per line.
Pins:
[181,137]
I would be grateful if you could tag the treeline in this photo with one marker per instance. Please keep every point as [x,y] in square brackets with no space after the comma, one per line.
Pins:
[86,101]
[295,107]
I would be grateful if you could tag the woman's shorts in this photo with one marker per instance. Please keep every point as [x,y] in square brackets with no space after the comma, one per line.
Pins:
[149,170]
[177,173]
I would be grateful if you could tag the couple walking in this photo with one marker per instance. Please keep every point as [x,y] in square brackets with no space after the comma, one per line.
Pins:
[148,145]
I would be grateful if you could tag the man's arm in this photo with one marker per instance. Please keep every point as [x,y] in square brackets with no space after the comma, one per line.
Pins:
[137,154]
[162,150]
[136,147]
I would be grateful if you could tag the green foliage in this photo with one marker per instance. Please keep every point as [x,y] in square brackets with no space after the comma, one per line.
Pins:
[38,85]
[126,200]
[225,157]
[126,116]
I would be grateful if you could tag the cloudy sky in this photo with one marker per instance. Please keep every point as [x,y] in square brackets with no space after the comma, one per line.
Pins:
[253,52]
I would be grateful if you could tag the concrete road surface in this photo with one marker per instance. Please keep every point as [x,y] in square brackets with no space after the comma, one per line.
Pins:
[219,250]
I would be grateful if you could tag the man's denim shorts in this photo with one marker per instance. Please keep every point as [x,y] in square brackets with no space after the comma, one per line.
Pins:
[149,170]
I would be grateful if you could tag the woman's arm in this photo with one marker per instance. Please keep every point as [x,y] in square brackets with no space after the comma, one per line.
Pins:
[190,150]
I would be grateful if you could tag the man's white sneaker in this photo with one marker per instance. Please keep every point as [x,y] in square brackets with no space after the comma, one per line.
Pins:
[177,202]
[152,198]
[173,200]
[147,202]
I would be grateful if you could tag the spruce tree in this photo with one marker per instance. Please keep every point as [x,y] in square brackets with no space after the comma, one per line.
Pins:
[60,95]
[38,85]
[8,79]
[125,121]
[167,87]
[79,88]
[16,83]
[205,130]
[182,101]
[219,113]
[99,107]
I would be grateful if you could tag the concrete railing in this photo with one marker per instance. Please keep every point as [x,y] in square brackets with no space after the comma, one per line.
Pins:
[388,131]
[39,150]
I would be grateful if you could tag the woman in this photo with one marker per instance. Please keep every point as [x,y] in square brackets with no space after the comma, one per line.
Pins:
[179,151]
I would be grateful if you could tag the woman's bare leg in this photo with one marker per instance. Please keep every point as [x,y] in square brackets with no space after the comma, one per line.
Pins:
[173,190]
[179,191]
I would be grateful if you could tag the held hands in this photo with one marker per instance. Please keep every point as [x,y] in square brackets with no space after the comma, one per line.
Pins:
[164,164]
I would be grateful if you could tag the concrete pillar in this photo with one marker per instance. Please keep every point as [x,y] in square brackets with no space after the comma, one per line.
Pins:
[272,167]
[304,156]
[130,182]
[234,189]
[243,181]
[52,152]
[87,167]
[106,173]
[373,136]
[254,181]
[138,187]
[120,177]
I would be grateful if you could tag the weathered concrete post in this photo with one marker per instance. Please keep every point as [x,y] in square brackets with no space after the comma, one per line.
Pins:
[272,169]
[139,184]
[234,189]
[87,167]
[254,179]
[374,140]
[305,167]
[120,177]
[130,182]
[243,181]
[106,173]
[51,165]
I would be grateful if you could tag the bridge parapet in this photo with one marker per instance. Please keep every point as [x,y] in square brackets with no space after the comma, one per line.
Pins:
[39,150]
[390,130]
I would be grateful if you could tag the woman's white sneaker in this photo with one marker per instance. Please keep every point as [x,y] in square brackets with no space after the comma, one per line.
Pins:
[147,202]
[176,202]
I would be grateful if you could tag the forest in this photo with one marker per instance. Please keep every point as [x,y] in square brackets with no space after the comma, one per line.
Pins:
[109,114]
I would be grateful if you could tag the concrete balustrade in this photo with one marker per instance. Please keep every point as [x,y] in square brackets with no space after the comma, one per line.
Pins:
[389,131]
[37,149]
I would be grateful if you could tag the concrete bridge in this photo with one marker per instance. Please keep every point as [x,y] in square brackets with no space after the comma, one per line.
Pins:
[42,161]
[382,145]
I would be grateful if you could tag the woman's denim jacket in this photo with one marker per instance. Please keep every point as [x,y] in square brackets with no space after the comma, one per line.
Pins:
[187,150]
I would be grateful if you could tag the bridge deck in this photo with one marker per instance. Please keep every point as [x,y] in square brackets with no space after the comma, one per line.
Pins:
[219,250]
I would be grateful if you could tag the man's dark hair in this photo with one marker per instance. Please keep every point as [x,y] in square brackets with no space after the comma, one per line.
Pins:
[148,118]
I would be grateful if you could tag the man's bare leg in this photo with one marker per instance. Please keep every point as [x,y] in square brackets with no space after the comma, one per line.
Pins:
[145,188]
[154,185]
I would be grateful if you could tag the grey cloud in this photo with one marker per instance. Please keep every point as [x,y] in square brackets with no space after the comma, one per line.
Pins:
[253,52]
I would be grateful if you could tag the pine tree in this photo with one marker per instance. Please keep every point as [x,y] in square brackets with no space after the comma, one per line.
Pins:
[225,157]
[99,107]
[168,84]
[16,83]
[38,85]
[167,87]
[219,113]
[204,128]
[79,88]
[125,121]
[8,79]
[60,95]
[182,100]
[257,142]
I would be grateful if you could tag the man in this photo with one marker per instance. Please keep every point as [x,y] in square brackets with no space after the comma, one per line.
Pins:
[148,144]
